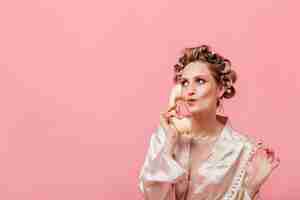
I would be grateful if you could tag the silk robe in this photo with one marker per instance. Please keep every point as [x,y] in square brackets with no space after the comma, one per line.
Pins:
[220,177]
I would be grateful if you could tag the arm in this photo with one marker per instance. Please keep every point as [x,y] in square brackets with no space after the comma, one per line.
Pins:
[245,194]
[260,168]
[160,170]
[252,195]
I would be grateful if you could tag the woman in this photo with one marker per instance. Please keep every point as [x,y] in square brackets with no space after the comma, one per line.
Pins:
[212,161]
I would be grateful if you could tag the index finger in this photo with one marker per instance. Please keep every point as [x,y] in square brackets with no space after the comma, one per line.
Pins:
[163,121]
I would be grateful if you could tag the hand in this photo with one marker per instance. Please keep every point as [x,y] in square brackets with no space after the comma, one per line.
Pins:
[173,134]
[260,167]
[170,129]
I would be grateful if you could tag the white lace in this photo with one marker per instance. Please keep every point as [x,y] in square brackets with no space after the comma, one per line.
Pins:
[237,180]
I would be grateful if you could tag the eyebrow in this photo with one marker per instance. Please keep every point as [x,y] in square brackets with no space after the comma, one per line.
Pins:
[198,76]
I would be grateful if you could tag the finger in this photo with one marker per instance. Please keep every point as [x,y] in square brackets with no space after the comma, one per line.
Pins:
[163,120]
[169,115]
[252,157]
[263,152]
[271,154]
[173,127]
[267,150]
[270,149]
[271,157]
[171,108]
[276,163]
[179,98]
[260,152]
[259,144]
[177,109]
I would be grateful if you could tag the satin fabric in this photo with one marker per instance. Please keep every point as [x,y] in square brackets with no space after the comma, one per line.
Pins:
[220,175]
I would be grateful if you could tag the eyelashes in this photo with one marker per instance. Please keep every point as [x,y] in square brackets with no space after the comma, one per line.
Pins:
[200,79]
[197,80]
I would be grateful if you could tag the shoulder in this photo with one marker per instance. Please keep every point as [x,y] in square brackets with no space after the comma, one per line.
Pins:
[158,136]
[249,141]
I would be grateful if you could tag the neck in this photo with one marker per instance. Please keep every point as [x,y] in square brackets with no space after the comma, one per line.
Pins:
[206,124]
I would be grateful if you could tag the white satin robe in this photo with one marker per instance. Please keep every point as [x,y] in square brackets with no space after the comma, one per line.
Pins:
[220,177]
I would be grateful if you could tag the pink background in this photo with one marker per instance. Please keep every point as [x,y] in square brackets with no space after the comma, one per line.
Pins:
[83,82]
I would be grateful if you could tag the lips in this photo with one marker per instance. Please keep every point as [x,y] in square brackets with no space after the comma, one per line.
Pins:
[191,100]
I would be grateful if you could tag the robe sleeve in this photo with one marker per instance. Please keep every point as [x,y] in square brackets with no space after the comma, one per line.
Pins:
[244,195]
[251,169]
[159,171]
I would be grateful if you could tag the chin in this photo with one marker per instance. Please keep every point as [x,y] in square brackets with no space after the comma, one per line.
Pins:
[197,109]
[194,109]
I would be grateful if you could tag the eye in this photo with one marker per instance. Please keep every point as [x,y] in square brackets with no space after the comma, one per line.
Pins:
[183,83]
[200,79]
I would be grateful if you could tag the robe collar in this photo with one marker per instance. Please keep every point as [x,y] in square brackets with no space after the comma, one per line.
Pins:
[228,144]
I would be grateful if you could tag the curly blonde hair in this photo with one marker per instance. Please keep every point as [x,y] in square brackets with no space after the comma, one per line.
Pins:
[219,67]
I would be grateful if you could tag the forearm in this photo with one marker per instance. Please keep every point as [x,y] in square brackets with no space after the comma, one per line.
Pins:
[160,170]
[158,178]
[249,192]
[253,193]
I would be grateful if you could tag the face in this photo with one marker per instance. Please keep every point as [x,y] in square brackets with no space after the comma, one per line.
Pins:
[198,83]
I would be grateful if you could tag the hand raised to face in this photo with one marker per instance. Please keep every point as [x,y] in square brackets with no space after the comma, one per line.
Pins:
[178,111]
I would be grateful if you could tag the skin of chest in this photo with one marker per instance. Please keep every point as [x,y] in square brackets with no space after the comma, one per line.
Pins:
[192,158]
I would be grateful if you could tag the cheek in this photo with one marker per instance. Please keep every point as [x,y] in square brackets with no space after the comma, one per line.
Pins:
[202,92]
[206,96]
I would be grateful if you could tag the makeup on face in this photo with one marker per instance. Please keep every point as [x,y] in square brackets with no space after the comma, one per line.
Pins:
[199,90]
[201,77]
[198,86]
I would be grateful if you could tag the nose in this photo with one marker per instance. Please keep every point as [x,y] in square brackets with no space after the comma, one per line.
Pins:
[190,90]
[191,93]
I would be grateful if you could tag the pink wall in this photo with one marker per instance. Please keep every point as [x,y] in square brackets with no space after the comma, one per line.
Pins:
[83,82]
